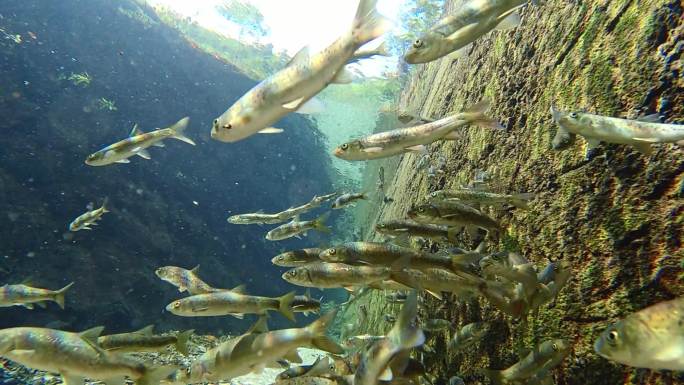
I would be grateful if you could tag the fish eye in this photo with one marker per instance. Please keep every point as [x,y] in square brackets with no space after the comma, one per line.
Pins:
[418,43]
[574,115]
[215,122]
[421,209]
[344,146]
[332,251]
[176,304]
[434,194]
[613,335]
[554,347]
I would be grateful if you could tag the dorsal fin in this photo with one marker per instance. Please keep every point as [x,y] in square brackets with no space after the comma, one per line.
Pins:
[136,131]
[147,330]
[92,334]
[301,56]
[240,289]
[261,326]
[195,270]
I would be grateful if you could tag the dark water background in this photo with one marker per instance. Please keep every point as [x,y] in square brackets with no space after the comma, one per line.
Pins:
[155,77]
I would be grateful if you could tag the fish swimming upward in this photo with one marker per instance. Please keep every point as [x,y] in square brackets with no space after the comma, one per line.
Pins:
[289,89]
[137,144]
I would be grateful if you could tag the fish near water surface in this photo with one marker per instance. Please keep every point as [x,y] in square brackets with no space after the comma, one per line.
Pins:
[89,218]
[289,89]
[144,340]
[137,143]
[297,227]
[26,296]
[639,134]
[185,280]
[650,338]
[230,302]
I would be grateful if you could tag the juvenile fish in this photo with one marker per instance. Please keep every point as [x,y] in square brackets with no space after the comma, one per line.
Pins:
[650,338]
[453,214]
[536,360]
[297,257]
[332,275]
[297,227]
[144,340]
[90,218]
[473,20]
[403,228]
[230,302]
[482,197]
[401,140]
[257,218]
[26,296]
[75,356]
[468,335]
[289,89]
[137,144]
[185,280]
[316,201]
[348,199]
[639,134]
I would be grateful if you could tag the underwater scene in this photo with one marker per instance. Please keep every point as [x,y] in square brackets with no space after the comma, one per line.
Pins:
[342,192]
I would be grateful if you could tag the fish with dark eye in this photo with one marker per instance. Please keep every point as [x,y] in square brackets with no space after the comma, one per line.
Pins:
[401,228]
[544,356]
[650,338]
[348,199]
[89,218]
[336,275]
[468,196]
[296,258]
[257,218]
[640,133]
[137,144]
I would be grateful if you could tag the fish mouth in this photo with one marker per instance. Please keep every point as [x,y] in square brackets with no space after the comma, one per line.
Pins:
[338,152]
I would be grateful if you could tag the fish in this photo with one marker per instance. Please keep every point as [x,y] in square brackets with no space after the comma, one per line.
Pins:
[144,340]
[437,280]
[27,296]
[468,196]
[435,325]
[348,199]
[259,348]
[381,179]
[468,335]
[649,338]
[289,89]
[296,258]
[230,302]
[75,356]
[335,275]
[257,218]
[185,280]
[322,366]
[305,304]
[316,201]
[362,54]
[137,144]
[640,134]
[457,31]
[89,218]
[415,138]
[403,228]
[404,335]
[548,351]
[296,227]
[453,214]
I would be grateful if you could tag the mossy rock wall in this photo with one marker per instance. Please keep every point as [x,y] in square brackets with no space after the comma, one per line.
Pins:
[617,218]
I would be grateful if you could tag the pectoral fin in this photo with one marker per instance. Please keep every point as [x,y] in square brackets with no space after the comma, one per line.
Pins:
[72,379]
[592,143]
[143,154]
[293,105]
[372,149]
[271,130]
[123,161]
[508,21]
[343,76]
[644,148]
[417,148]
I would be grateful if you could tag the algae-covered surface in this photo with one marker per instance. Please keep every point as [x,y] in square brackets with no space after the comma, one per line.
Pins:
[616,217]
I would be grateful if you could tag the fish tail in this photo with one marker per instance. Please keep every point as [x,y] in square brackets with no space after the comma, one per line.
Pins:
[178,130]
[319,223]
[318,337]
[453,232]
[520,200]
[182,341]
[406,334]
[475,114]
[59,295]
[285,308]
[155,375]
[105,203]
[368,23]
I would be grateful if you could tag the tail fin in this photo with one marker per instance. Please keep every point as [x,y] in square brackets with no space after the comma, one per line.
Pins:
[178,130]
[182,341]
[105,203]
[318,337]
[155,375]
[520,200]
[285,306]
[406,334]
[368,23]
[475,114]
[59,295]
[319,223]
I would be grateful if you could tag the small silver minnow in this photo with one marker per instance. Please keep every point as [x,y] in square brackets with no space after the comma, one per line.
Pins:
[289,89]
[347,199]
[230,302]
[256,218]
[137,143]
[452,213]
[639,134]
[89,218]
[296,227]
[26,296]
[401,140]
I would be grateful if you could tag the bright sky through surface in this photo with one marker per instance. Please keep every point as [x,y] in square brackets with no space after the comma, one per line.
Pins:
[293,24]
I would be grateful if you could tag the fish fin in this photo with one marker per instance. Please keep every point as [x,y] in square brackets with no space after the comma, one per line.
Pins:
[92,334]
[652,118]
[159,144]
[509,20]
[405,333]
[178,130]
[326,344]
[479,118]
[343,76]
[368,23]
[302,56]
[123,161]
[260,326]
[115,381]
[143,154]
[42,305]
[182,288]
[195,270]
[435,294]
[482,247]
[293,356]
[386,375]
[147,330]
[27,305]
[320,340]
[240,289]
[135,131]
[319,223]
[644,148]
[71,379]
[285,306]
[453,135]
[520,200]
[307,293]
[417,148]
[182,341]
[311,106]
[372,149]
[453,232]
[155,375]
[236,315]
[592,143]
[294,104]
[646,140]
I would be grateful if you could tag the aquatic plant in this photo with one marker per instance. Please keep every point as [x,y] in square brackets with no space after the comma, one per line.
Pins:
[82,79]
[106,104]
